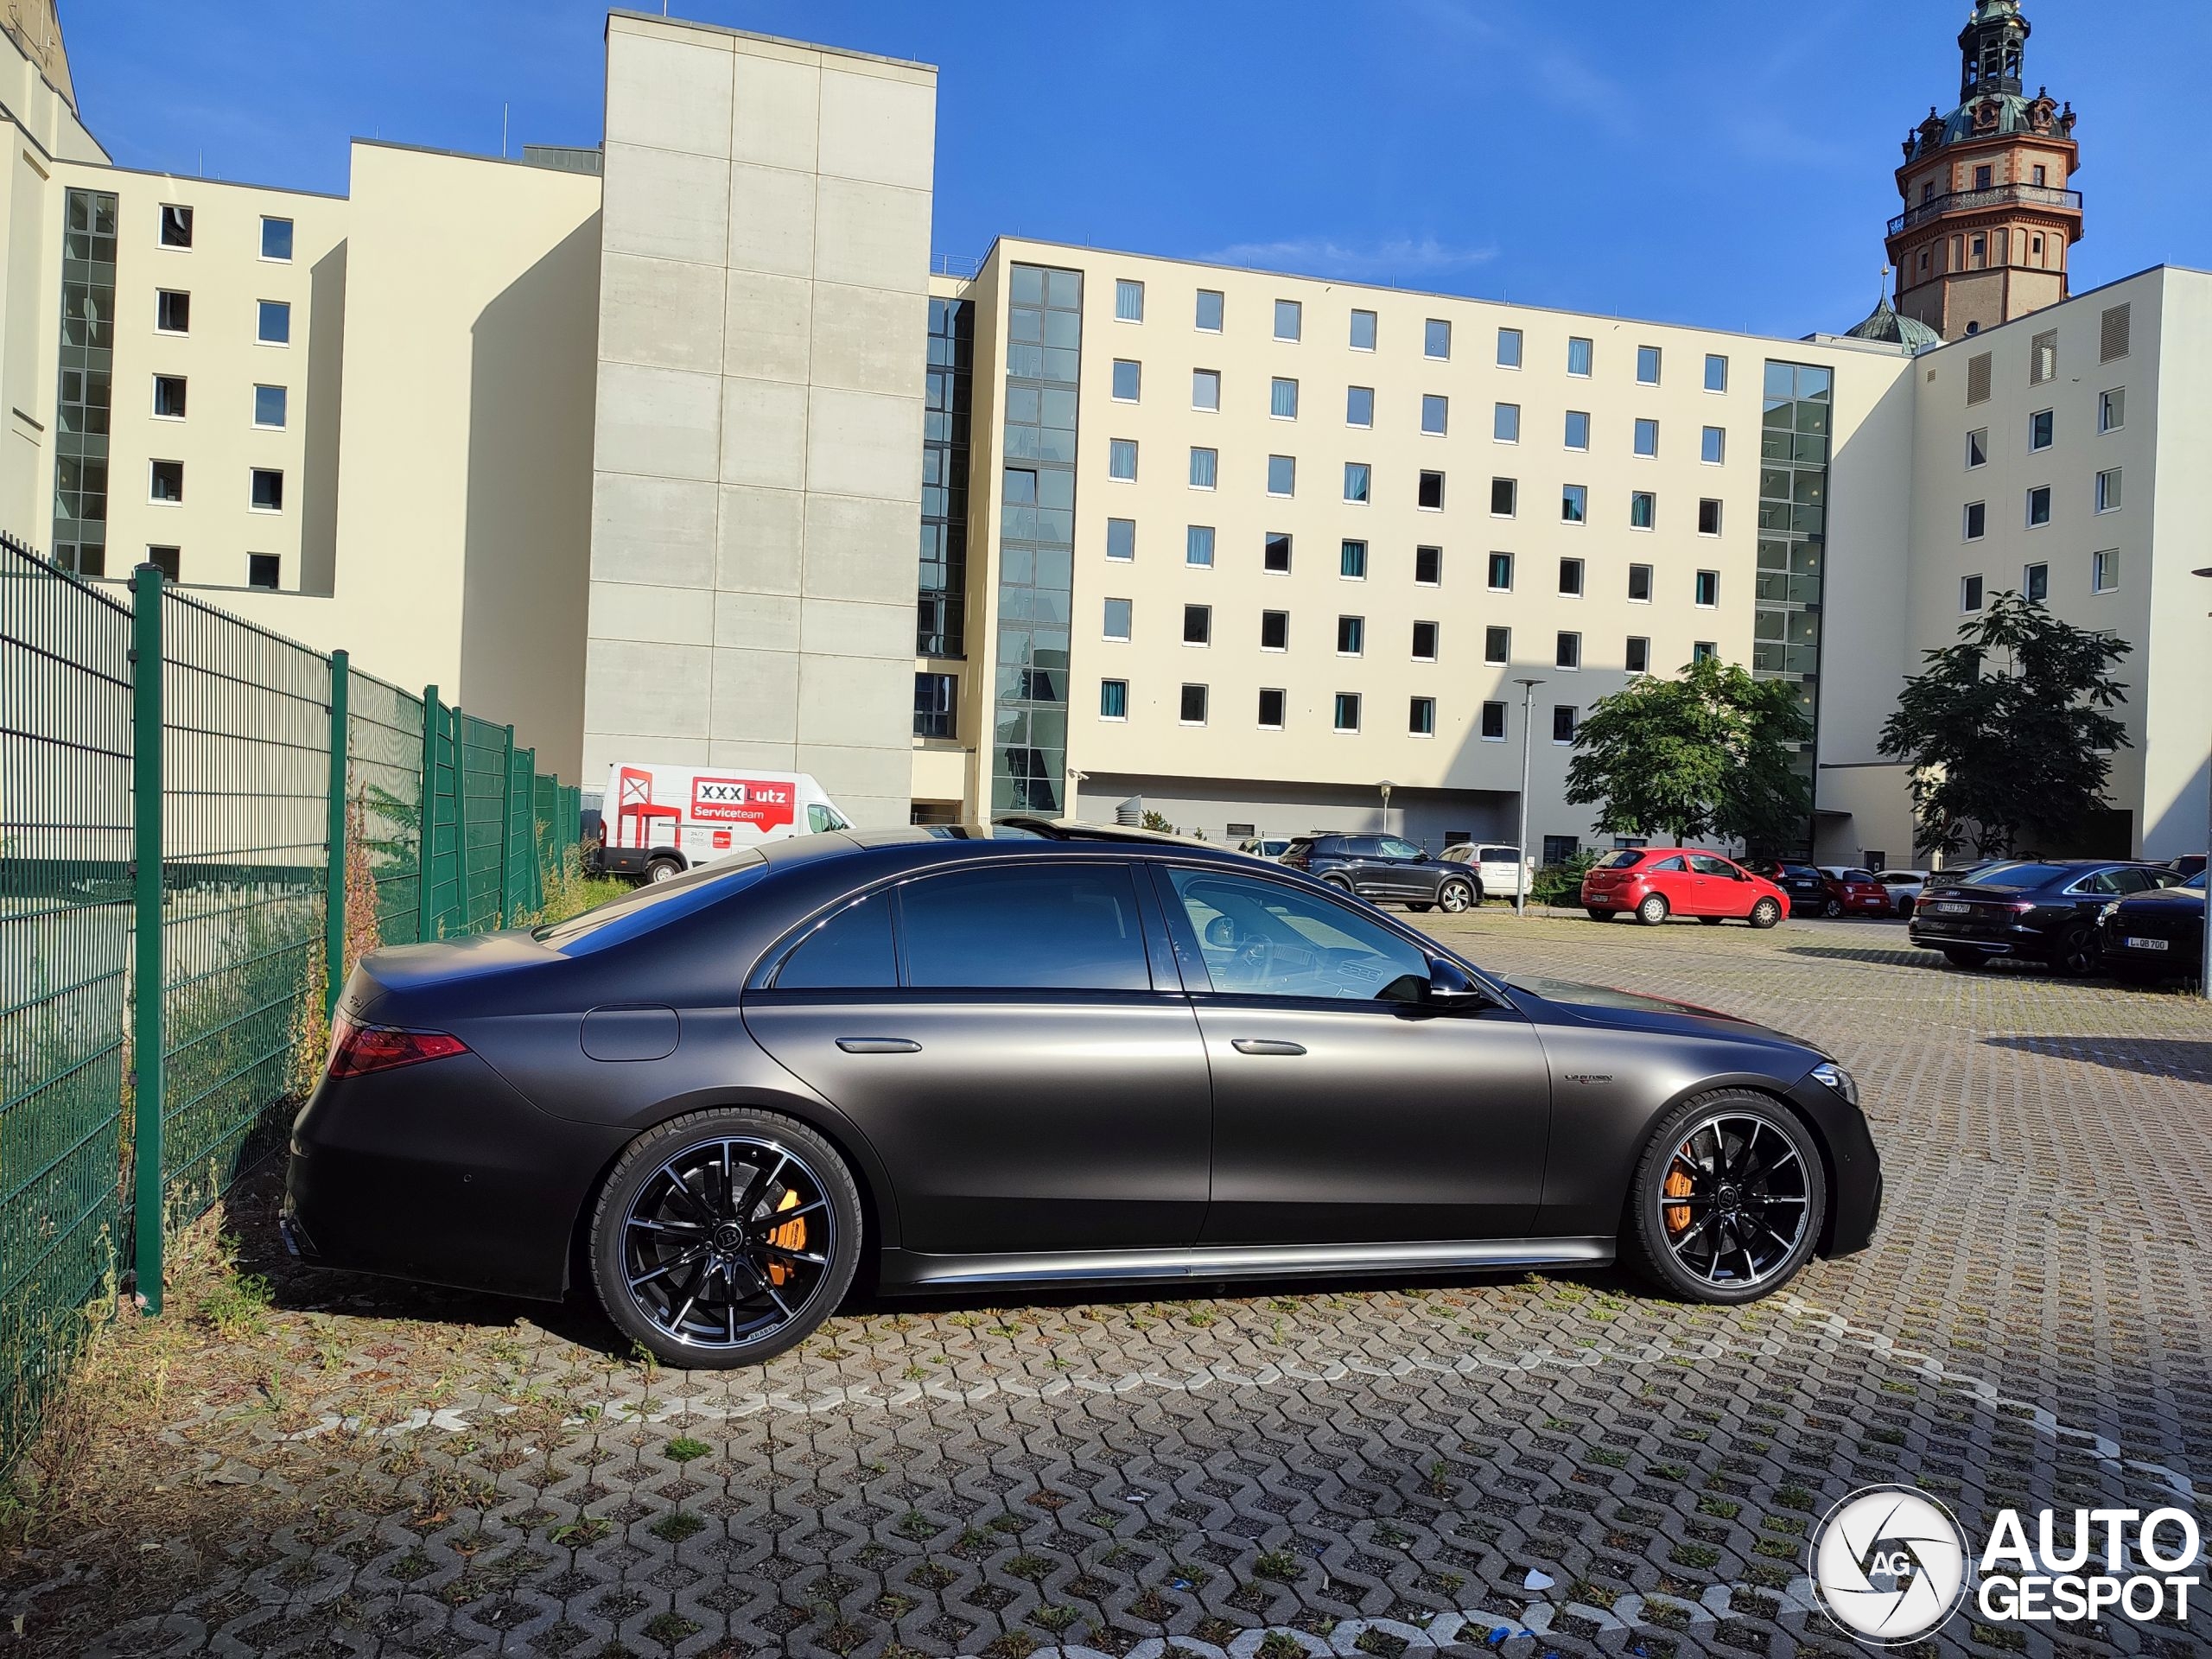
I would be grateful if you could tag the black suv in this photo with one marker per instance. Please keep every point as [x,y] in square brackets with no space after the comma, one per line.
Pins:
[1385,867]
[2045,910]
[1807,888]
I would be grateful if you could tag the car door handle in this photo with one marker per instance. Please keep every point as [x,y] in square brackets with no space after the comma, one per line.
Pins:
[1263,1046]
[878,1046]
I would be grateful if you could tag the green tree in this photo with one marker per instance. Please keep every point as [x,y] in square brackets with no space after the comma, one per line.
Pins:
[2009,733]
[1712,752]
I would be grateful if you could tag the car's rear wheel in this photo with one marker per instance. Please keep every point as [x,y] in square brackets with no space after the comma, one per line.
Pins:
[1602,915]
[1966,958]
[663,869]
[1766,913]
[725,1237]
[1652,910]
[1728,1200]
[1455,896]
[1421,905]
[2079,952]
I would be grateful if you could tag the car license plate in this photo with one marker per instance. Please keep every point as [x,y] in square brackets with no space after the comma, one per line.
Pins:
[2146,944]
[1948,907]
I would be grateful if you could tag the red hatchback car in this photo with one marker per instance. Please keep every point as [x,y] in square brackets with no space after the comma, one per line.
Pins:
[1662,881]
[1856,893]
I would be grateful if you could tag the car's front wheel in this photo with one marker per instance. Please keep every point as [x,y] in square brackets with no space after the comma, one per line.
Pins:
[1728,1200]
[1602,915]
[724,1237]
[1455,896]
[1766,913]
[1832,910]
[2079,952]
[1652,910]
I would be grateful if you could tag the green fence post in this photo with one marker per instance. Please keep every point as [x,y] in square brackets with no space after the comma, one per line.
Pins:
[506,817]
[461,822]
[425,928]
[147,1035]
[333,878]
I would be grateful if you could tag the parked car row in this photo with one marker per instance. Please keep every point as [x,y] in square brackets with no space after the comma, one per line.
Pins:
[2079,916]
[1389,867]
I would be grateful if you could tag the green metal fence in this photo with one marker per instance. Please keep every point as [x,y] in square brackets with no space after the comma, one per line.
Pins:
[177,788]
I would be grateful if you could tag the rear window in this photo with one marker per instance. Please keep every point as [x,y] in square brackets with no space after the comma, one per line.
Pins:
[1856,875]
[652,904]
[2018,878]
[1069,929]
[1626,858]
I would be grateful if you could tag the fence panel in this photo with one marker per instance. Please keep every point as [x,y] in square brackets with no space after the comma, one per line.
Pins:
[65,954]
[245,735]
[481,760]
[442,908]
[525,890]
[384,780]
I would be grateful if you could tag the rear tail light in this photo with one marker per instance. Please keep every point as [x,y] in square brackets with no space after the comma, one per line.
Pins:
[357,1050]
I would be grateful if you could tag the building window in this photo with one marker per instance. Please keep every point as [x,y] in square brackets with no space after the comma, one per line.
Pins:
[936,713]
[1504,497]
[268,406]
[1358,477]
[1359,405]
[1969,594]
[165,481]
[273,322]
[1198,546]
[1977,520]
[1639,654]
[2108,491]
[2104,571]
[1558,848]
[1270,709]
[1500,573]
[1208,320]
[1424,642]
[1508,348]
[1206,389]
[1428,567]
[1117,623]
[2042,358]
[276,239]
[1581,357]
[268,490]
[1347,711]
[1420,718]
[1639,584]
[1978,449]
[2112,411]
[2038,506]
[1203,465]
[1113,699]
[263,570]
[1497,647]
[1567,653]
[1274,630]
[1713,447]
[2035,582]
[2042,177]
[1983,176]
[1122,460]
[1128,301]
[2042,428]
[1716,373]
[1274,559]
[1197,625]
[1563,722]
[1351,560]
[2115,332]
[1642,510]
[1432,493]
[1351,636]
[1289,319]
[1647,366]
[1570,578]
[1282,399]
[1578,429]
[1493,723]
[1647,439]
[1192,709]
[1436,339]
[172,312]
[1362,331]
[1505,423]
[1574,504]
[1129,378]
[176,226]
[1435,414]
[1707,590]
[169,561]
[1704,650]
[84,382]
[1120,539]
[1708,516]
[168,396]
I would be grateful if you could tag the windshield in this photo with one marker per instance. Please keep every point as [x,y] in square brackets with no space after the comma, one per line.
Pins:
[650,905]
[2195,884]
[1620,861]
[2016,878]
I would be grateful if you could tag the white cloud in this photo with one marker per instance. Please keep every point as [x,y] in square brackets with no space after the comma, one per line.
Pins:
[1402,258]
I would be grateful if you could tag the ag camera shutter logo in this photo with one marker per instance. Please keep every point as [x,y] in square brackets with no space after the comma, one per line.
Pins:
[1889,1565]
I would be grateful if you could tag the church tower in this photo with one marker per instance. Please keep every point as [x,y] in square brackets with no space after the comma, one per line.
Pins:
[1990,218]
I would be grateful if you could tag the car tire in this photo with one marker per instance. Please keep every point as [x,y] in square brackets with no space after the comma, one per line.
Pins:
[1710,921]
[741,1266]
[1966,958]
[1418,906]
[2079,952]
[663,869]
[1689,1228]
[1455,897]
[1337,882]
[1602,915]
[1653,911]
[1766,913]
[1832,910]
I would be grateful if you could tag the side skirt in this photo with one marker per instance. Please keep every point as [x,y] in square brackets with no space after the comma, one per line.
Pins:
[908,1270]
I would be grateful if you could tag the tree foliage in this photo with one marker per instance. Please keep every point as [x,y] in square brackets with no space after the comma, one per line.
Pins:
[2009,732]
[1714,752]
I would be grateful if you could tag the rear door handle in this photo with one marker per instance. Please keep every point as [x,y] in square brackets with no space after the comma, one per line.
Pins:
[878,1046]
[1262,1045]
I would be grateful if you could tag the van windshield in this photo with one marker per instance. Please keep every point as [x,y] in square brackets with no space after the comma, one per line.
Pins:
[650,905]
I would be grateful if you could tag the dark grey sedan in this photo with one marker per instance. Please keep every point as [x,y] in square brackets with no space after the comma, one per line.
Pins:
[1027,1056]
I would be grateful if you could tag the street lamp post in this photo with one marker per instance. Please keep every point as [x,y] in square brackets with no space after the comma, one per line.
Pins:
[1386,788]
[1528,733]
[2204,967]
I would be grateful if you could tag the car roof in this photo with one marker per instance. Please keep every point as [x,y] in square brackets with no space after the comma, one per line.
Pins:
[1018,836]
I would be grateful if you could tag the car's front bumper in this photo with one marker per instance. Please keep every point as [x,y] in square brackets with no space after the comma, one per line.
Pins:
[1854,1167]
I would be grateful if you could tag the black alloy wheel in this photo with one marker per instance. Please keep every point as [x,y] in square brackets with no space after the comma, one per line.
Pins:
[2079,952]
[1455,897]
[1729,1199]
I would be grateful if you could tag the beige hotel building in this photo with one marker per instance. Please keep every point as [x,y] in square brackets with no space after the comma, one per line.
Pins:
[674,448]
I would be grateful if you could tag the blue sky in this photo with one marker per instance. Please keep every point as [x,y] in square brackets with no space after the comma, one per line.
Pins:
[1718,161]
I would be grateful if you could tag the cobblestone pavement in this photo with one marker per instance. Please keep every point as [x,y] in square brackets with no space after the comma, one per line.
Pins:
[1536,1466]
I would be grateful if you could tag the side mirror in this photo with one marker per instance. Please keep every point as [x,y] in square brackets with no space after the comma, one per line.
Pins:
[1221,933]
[1450,985]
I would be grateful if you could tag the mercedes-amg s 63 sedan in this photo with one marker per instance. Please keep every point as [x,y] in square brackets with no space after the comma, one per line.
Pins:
[951,1059]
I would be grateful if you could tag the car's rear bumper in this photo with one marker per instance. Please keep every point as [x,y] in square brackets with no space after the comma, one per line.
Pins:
[1934,933]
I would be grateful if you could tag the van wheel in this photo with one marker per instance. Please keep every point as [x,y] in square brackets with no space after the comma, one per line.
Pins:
[663,869]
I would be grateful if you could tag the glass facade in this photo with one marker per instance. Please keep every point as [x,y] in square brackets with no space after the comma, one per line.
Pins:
[1796,433]
[940,622]
[1037,542]
[80,445]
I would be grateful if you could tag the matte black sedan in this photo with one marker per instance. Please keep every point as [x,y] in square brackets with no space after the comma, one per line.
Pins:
[1381,867]
[2159,935]
[961,1058]
[2039,910]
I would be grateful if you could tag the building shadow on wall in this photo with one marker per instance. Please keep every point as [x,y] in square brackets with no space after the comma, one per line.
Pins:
[324,412]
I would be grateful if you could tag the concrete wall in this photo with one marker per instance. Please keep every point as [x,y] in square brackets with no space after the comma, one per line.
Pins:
[2175,669]
[757,482]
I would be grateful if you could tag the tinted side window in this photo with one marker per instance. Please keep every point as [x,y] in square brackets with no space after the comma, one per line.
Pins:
[1671,866]
[1070,928]
[850,951]
[1258,938]
[1705,864]
[2131,881]
[1393,848]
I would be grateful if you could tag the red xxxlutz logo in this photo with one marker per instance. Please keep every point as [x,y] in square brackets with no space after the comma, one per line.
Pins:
[741,800]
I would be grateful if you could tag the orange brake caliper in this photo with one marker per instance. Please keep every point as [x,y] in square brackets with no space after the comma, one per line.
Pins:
[791,1236]
[1677,1215]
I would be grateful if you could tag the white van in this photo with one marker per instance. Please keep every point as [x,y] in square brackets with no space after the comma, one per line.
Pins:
[1500,872]
[658,822]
